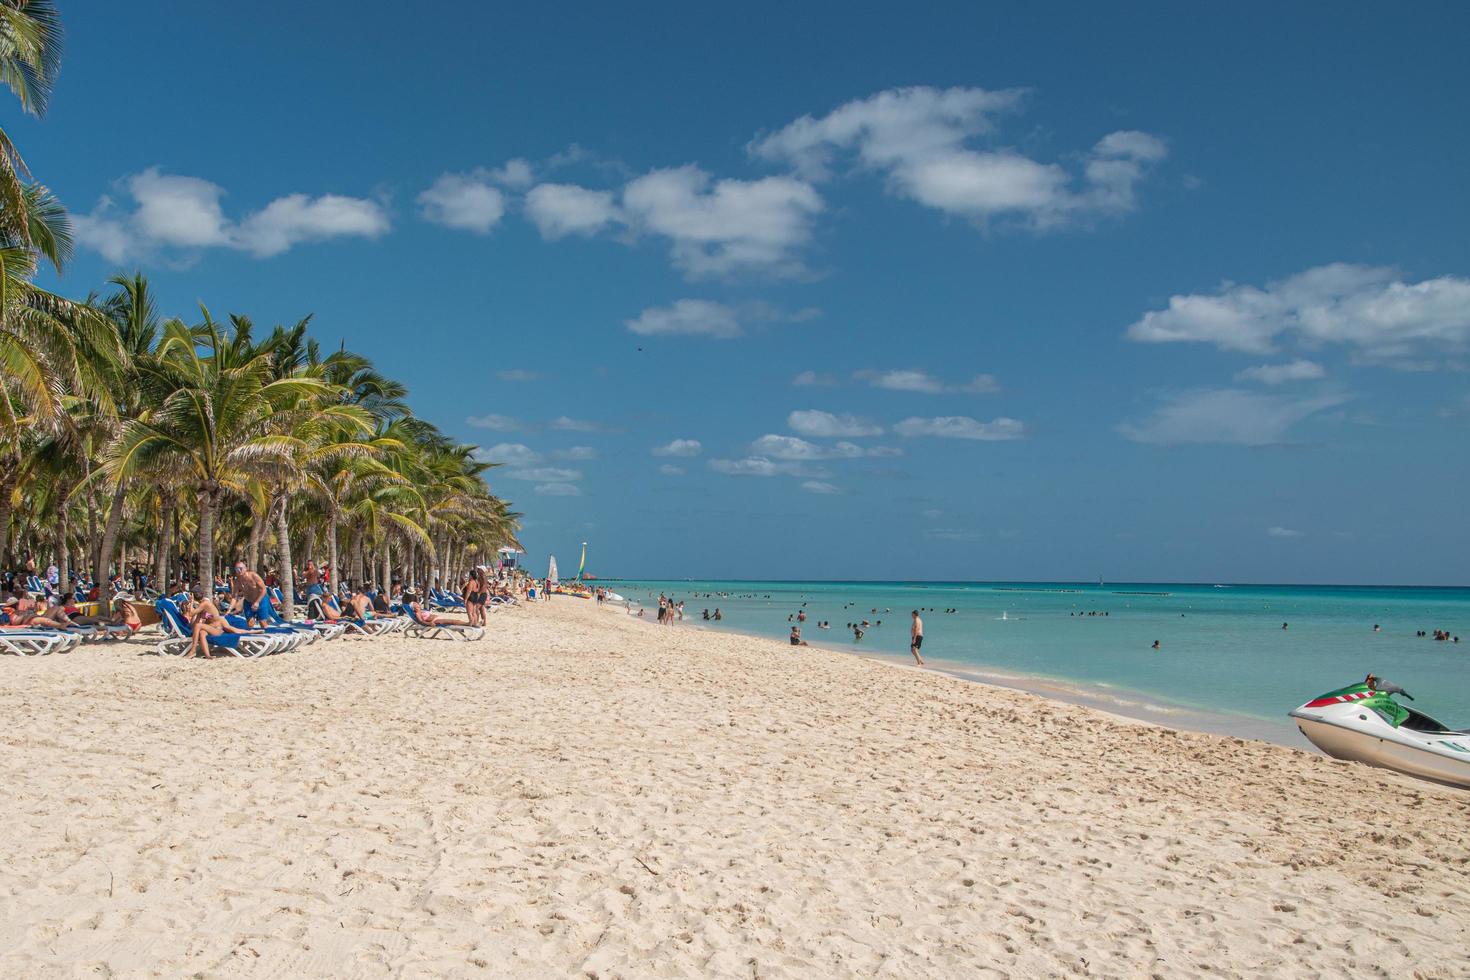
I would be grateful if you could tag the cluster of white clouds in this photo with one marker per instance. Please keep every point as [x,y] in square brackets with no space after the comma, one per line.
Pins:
[707,318]
[776,454]
[173,212]
[914,380]
[1227,415]
[921,141]
[1275,374]
[1372,312]
[714,227]
[1370,309]
[508,423]
[521,462]
[903,379]
[679,447]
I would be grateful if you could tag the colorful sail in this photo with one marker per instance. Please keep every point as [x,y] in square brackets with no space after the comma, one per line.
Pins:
[582,567]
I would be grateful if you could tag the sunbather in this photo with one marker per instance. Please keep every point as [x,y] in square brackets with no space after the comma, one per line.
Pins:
[362,607]
[205,619]
[423,616]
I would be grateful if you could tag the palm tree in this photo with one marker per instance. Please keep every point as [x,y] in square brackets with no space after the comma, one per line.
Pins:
[30,56]
[215,412]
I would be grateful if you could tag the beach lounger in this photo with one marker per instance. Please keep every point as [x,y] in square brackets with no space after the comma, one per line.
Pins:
[179,636]
[312,631]
[364,627]
[455,631]
[446,600]
[32,643]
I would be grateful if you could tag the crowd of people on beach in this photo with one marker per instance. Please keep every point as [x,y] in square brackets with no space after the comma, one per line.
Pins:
[242,603]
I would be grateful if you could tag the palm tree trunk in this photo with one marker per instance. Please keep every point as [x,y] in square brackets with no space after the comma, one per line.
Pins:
[9,476]
[252,549]
[63,535]
[387,583]
[336,580]
[160,564]
[108,545]
[286,575]
[208,500]
[358,569]
[91,525]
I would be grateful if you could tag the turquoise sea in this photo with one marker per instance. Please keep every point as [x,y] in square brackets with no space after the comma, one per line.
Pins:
[1224,662]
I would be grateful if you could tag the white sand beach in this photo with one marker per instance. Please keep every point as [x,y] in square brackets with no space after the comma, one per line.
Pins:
[586,794]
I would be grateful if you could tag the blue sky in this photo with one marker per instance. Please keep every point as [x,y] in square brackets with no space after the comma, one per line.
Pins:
[841,290]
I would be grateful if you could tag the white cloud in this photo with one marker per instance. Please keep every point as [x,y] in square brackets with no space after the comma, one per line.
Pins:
[566,209]
[1226,415]
[700,317]
[669,469]
[178,212]
[1282,532]
[1275,374]
[718,227]
[809,379]
[564,424]
[516,173]
[510,453]
[962,427]
[918,139]
[818,486]
[575,453]
[790,447]
[290,220]
[468,202]
[763,466]
[819,424]
[679,447]
[517,374]
[1370,309]
[497,423]
[912,379]
[558,490]
[551,474]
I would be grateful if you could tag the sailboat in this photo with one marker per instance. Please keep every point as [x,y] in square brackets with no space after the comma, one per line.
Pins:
[551,579]
[578,589]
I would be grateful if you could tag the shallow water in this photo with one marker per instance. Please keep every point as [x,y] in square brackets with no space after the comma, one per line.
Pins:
[1224,663]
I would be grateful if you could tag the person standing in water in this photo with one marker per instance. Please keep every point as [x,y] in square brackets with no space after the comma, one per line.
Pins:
[916,637]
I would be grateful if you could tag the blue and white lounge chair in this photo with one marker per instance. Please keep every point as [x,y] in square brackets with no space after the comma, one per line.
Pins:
[34,643]
[455,631]
[179,637]
[312,631]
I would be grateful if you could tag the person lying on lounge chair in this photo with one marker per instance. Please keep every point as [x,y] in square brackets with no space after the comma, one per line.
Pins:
[319,609]
[124,613]
[205,618]
[426,618]
[361,606]
[25,611]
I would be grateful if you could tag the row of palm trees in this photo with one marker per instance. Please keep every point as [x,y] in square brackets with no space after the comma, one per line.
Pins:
[128,437]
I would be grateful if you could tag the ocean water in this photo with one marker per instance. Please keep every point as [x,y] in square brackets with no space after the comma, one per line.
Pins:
[1224,663]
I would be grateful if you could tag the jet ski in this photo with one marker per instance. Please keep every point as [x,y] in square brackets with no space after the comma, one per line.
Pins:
[1363,723]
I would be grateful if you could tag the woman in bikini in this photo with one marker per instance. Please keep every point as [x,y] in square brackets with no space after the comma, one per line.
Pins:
[205,619]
